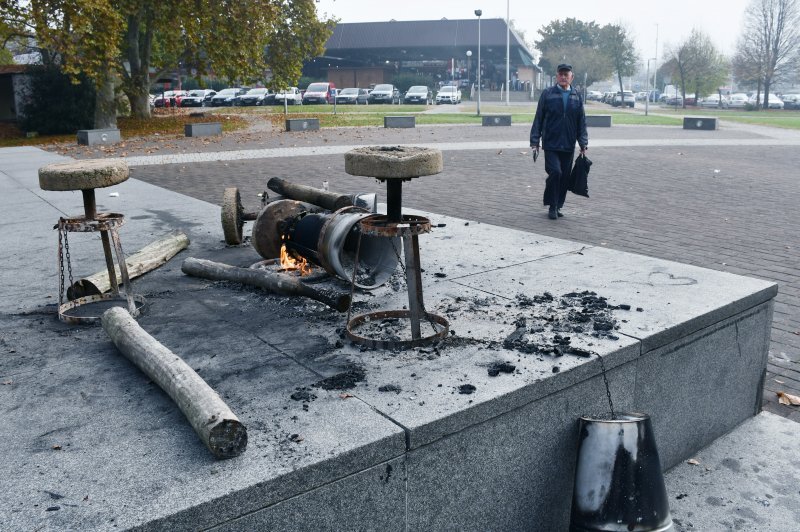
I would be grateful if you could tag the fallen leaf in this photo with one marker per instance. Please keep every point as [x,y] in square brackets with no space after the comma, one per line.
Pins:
[345,396]
[788,399]
[778,381]
[693,461]
[56,447]
[7,382]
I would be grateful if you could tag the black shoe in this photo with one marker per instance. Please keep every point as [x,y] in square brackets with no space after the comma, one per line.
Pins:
[559,213]
[553,214]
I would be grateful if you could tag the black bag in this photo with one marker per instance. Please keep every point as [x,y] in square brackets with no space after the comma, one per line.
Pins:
[579,178]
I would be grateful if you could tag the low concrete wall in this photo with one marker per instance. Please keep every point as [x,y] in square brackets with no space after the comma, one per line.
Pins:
[496,120]
[203,129]
[92,137]
[700,122]
[422,454]
[399,121]
[302,124]
[598,120]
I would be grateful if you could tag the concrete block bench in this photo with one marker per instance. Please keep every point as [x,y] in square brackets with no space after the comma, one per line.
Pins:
[598,120]
[92,137]
[400,121]
[496,120]
[302,124]
[203,129]
[708,123]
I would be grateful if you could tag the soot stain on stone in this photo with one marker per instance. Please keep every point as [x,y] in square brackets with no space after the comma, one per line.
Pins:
[342,381]
[732,464]
[390,388]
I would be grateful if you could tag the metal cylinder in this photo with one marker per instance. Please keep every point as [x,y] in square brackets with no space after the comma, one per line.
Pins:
[619,485]
[332,240]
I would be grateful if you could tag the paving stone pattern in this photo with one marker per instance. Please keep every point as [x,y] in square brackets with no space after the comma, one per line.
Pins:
[729,208]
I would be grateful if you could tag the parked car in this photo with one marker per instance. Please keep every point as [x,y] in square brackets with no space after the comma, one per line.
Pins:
[608,97]
[320,92]
[714,101]
[674,99]
[352,95]
[737,100]
[384,93]
[690,99]
[252,97]
[292,96]
[197,97]
[448,94]
[791,101]
[624,98]
[418,94]
[225,96]
[594,96]
[773,101]
[169,99]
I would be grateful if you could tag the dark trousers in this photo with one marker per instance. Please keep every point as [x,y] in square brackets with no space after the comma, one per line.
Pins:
[558,165]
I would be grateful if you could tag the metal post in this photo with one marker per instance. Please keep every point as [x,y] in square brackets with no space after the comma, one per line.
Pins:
[478,13]
[508,51]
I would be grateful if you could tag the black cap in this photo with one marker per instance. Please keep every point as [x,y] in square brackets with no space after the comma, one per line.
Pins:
[564,66]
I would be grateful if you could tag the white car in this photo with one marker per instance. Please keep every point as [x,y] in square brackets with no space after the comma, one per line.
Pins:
[625,98]
[737,100]
[448,94]
[774,101]
[291,96]
[714,101]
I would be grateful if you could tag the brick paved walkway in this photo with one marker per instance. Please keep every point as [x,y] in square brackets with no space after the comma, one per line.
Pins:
[726,200]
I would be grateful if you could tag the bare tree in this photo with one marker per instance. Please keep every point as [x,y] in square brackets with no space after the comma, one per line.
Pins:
[772,30]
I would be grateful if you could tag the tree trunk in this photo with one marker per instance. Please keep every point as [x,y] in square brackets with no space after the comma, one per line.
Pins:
[105,109]
[212,420]
[273,282]
[146,259]
[138,49]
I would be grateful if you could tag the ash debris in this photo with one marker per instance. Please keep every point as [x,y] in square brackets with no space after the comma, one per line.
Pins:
[496,368]
[548,330]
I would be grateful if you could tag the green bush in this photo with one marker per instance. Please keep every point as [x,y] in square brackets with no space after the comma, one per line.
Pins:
[56,105]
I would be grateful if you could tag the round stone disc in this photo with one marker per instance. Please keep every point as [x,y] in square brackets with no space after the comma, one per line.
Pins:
[83,174]
[393,162]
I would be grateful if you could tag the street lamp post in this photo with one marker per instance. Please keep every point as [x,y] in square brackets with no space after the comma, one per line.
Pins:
[508,50]
[469,59]
[478,14]
[647,88]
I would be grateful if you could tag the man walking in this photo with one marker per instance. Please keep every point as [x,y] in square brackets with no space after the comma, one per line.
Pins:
[560,121]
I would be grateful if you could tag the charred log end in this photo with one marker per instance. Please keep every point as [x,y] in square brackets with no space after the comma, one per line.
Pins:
[343,201]
[227,439]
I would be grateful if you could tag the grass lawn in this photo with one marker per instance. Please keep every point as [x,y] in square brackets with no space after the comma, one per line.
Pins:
[170,122]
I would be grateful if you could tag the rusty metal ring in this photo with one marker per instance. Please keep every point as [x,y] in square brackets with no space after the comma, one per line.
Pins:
[395,344]
[103,221]
[379,225]
[138,301]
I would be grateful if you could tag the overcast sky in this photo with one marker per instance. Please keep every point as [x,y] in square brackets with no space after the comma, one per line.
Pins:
[721,20]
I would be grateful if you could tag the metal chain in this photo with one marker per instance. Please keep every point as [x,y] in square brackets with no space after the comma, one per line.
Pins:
[353,279]
[66,252]
[608,389]
[60,262]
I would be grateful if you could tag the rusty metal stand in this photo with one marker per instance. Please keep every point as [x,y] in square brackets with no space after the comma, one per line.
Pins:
[407,227]
[106,224]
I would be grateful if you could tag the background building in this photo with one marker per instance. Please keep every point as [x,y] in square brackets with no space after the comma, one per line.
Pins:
[366,53]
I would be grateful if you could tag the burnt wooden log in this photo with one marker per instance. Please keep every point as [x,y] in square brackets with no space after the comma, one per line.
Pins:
[272,282]
[325,199]
[148,258]
[215,423]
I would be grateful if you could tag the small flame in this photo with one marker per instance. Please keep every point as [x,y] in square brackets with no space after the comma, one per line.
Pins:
[288,263]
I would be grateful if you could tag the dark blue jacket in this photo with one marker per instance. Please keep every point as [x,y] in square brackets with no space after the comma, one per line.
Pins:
[559,129]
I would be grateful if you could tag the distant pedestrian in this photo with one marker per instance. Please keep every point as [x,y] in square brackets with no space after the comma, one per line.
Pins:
[560,122]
